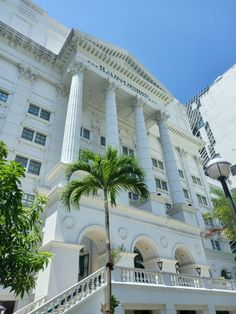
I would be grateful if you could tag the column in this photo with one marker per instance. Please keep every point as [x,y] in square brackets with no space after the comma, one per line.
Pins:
[112,131]
[71,140]
[142,147]
[170,162]
[203,179]
[183,155]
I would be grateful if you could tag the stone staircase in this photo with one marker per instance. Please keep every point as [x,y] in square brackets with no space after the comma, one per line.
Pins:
[68,298]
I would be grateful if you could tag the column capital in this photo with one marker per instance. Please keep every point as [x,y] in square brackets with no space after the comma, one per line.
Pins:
[27,72]
[137,102]
[161,115]
[110,86]
[181,151]
[77,68]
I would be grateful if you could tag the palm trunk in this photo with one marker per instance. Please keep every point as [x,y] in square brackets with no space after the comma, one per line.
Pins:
[109,265]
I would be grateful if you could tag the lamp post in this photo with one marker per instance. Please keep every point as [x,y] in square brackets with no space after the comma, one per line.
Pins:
[219,169]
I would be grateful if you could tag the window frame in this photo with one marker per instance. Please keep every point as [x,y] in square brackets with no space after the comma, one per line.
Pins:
[3,96]
[85,133]
[28,164]
[39,112]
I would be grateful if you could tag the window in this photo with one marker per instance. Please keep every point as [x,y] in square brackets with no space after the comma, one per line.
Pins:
[216,245]
[160,184]
[85,133]
[39,112]
[102,140]
[133,196]
[157,164]
[27,134]
[3,96]
[127,151]
[196,180]
[44,114]
[22,160]
[208,222]
[28,199]
[32,166]
[202,200]
[40,138]
[33,136]
[186,195]
[181,173]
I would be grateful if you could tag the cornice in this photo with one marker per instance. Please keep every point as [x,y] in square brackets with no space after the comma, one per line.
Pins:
[175,130]
[17,40]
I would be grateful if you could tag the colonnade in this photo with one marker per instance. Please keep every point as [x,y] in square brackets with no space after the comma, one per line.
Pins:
[71,140]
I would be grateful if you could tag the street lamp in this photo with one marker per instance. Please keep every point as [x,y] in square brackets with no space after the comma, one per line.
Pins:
[219,169]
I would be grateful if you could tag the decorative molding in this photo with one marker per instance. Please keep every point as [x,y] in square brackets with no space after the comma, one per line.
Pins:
[77,68]
[161,115]
[61,90]
[182,151]
[110,86]
[198,159]
[26,72]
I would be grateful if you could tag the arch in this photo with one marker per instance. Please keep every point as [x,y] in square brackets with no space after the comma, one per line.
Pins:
[93,232]
[146,247]
[183,254]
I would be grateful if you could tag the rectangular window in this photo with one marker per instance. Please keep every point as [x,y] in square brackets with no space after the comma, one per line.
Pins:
[34,110]
[186,195]
[40,138]
[181,173]
[3,96]
[133,196]
[39,112]
[34,167]
[22,160]
[31,166]
[160,184]
[28,199]
[85,133]
[102,141]
[27,134]
[127,151]
[216,245]
[202,200]
[157,164]
[196,180]
[44,114]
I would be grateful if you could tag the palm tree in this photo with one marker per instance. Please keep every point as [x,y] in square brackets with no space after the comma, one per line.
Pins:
[112,174]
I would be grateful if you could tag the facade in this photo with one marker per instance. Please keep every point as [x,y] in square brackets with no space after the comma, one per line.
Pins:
[62,91]
[212,117]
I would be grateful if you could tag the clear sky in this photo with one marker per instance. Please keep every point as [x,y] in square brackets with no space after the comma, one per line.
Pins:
[186,44]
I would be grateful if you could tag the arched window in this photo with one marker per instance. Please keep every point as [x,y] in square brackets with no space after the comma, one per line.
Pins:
[138,259]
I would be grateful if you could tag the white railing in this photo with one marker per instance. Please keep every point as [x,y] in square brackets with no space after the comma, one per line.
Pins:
[74,295]
[30,307]
[141,276]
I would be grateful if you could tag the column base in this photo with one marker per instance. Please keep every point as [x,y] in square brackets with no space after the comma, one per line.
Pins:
[184,212]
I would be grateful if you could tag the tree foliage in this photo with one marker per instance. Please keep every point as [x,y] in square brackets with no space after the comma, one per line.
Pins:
[223,212]
[20,230]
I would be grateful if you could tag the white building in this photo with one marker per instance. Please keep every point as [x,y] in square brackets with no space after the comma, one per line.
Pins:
[61,91]
[212,115]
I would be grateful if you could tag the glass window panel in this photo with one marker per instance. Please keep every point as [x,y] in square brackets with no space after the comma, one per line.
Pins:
[102,141]
[44,114]
[27,134]
[34,167]
[3,96]
[40,138]
[22,160]
[33,110]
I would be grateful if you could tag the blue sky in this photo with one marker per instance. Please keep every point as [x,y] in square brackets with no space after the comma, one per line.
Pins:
[186,44]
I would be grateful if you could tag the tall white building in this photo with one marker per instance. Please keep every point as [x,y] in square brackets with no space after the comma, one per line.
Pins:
[61,91]
[212,116]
